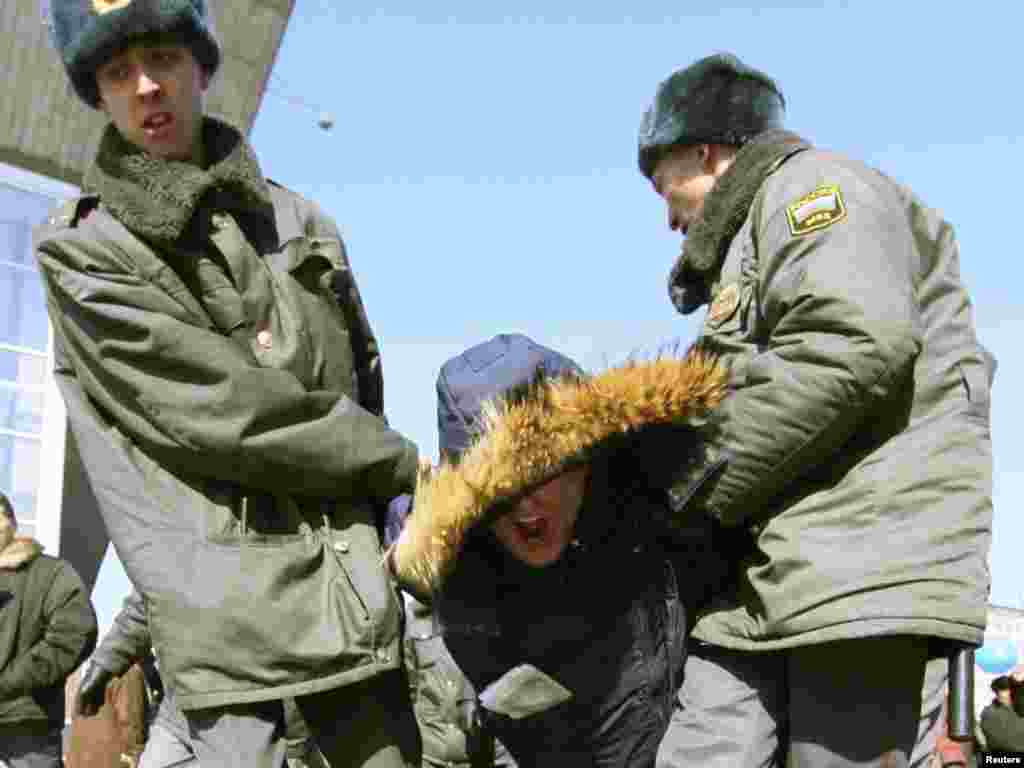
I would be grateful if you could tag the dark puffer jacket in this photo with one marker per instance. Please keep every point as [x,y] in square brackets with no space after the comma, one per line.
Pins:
[577,663]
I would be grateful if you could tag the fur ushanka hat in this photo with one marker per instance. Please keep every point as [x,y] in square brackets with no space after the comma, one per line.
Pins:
[716,100]
[88,32]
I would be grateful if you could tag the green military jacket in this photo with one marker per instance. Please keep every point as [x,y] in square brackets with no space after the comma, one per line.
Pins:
[1002,727]
[855,438]
[443,699]
[223,390]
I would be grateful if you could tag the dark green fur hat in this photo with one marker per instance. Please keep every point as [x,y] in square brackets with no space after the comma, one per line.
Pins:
[88,32]
[716,100]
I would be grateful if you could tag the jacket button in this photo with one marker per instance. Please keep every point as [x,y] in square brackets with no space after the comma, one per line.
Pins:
[219,220]
[341,546]
[265,339]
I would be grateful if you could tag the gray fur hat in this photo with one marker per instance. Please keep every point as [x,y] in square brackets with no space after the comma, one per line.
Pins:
[88,32]
[716,100]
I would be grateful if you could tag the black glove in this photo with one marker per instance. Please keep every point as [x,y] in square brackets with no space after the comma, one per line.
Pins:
[92,691]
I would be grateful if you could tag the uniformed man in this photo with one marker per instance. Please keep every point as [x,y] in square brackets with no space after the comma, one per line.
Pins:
[1002,727]
[853,449]
[224,390]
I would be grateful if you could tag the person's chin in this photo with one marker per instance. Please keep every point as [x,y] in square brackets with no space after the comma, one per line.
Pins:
[542,557]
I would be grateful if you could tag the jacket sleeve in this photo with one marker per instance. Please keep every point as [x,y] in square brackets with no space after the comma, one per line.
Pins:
[194,400]
[843,333]
[128,640]
[68,637]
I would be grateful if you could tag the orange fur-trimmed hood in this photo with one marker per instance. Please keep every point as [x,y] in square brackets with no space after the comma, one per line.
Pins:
[525,442]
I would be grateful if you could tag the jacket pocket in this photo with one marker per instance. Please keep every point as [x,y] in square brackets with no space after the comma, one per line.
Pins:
[357,550]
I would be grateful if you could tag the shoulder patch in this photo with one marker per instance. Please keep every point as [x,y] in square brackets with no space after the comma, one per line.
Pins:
[820,209]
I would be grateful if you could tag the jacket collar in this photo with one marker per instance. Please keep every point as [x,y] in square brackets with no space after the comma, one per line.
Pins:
[560,424]
[19,551]
[725,209]
[157,198]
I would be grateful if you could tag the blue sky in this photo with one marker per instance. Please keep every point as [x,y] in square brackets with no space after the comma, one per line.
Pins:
[482,168]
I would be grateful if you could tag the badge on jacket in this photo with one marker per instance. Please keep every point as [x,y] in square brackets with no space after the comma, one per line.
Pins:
[724,305]
[821,208]
[105,6]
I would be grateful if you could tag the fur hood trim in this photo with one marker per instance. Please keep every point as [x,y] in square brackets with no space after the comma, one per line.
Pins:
[20,551]
[523,443]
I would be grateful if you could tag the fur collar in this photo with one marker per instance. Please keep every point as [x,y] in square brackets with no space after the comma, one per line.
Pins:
[725,210]
[19,551]
[527,442]
[157,198]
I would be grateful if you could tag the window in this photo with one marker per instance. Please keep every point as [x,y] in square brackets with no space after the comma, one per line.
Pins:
[27,458]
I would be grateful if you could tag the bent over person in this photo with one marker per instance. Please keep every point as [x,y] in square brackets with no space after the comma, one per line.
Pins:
[47,627]
[224,389]
[854,444]
[558,579]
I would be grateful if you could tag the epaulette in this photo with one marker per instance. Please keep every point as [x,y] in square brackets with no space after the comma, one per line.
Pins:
[70,212]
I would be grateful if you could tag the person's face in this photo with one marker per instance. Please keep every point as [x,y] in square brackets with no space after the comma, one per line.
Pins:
[154,95]
[683,178]
[539,528]
[1005,697]
[7,525]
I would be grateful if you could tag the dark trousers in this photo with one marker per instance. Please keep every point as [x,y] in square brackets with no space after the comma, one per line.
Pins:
[841,704]
[364,725]
[30,745]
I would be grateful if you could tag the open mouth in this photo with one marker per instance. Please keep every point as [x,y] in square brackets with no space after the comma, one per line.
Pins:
[532,530]
[158,123]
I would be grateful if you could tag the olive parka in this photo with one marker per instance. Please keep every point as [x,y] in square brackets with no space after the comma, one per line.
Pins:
[129,642]
[854,443]
[224,391]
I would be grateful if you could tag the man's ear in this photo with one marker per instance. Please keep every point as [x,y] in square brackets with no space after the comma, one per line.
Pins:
[709,154]
[204,79]
[718,159]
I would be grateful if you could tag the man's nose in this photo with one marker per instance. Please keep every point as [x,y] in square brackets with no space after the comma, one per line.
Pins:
[147,86]
[673,220]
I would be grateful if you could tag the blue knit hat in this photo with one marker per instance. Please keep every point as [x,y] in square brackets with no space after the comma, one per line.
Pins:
[88,32]
[485,372]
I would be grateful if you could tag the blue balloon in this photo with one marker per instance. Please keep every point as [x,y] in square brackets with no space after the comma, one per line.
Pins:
[997,656]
